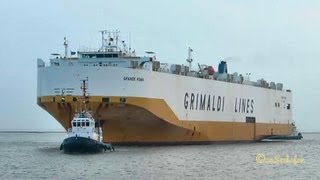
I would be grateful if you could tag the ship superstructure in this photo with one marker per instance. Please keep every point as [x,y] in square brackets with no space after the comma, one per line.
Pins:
[139,99]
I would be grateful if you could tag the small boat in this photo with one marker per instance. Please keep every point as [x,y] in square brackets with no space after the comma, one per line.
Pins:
[295,135]
[85,134]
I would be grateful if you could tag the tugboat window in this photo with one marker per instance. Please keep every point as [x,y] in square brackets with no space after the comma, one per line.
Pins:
[74,123]
[83,124]
[87,123]
[78,124]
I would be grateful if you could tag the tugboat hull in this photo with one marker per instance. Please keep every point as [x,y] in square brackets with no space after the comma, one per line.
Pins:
[290,137]
[83,145]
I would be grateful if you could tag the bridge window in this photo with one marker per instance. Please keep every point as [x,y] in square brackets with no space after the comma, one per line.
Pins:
[123,100]
[111,55]
[105,99]
[288,106]
[100,55]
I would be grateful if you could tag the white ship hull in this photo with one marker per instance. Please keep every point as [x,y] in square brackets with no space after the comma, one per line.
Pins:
[159,107]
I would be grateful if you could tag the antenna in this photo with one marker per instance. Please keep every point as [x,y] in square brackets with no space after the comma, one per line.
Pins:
[65,48]
[84,88]
[110,43]
[117,36]
[248,76]
[124,46]
[189,60]
[129,42]
[102,40]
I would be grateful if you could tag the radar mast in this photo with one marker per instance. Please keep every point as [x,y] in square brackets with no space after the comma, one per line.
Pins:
[66,44]
[189,60]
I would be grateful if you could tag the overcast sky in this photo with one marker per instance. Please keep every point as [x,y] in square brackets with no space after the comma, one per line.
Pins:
[278,40]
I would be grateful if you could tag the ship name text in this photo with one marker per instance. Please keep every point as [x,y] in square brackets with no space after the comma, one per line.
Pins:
[133,78]
[244,105]
[204,102]
[211,102]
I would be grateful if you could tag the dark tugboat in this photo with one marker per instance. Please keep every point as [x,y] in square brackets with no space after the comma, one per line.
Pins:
[295,135]
[84,136]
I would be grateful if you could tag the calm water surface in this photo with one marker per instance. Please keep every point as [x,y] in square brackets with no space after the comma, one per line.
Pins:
[37,156]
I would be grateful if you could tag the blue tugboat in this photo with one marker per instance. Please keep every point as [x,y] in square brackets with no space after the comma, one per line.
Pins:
[84,136]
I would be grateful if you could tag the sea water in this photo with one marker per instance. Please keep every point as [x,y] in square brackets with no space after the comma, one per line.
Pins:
[37,156]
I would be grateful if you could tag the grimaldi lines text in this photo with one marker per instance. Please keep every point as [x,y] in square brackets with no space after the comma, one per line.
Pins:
[211,102]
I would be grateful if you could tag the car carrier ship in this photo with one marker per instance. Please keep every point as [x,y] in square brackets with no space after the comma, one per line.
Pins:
[140,100]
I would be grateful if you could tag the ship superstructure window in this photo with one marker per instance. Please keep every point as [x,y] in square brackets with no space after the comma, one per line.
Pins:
[74,124]
[87,123]
[105,99]
[288,106]
[123,100]
[100,55]
[78,124]
[83,124]
[89,56]
[111,55]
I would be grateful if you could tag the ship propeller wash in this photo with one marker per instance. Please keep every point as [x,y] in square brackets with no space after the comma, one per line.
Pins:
[140,100]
